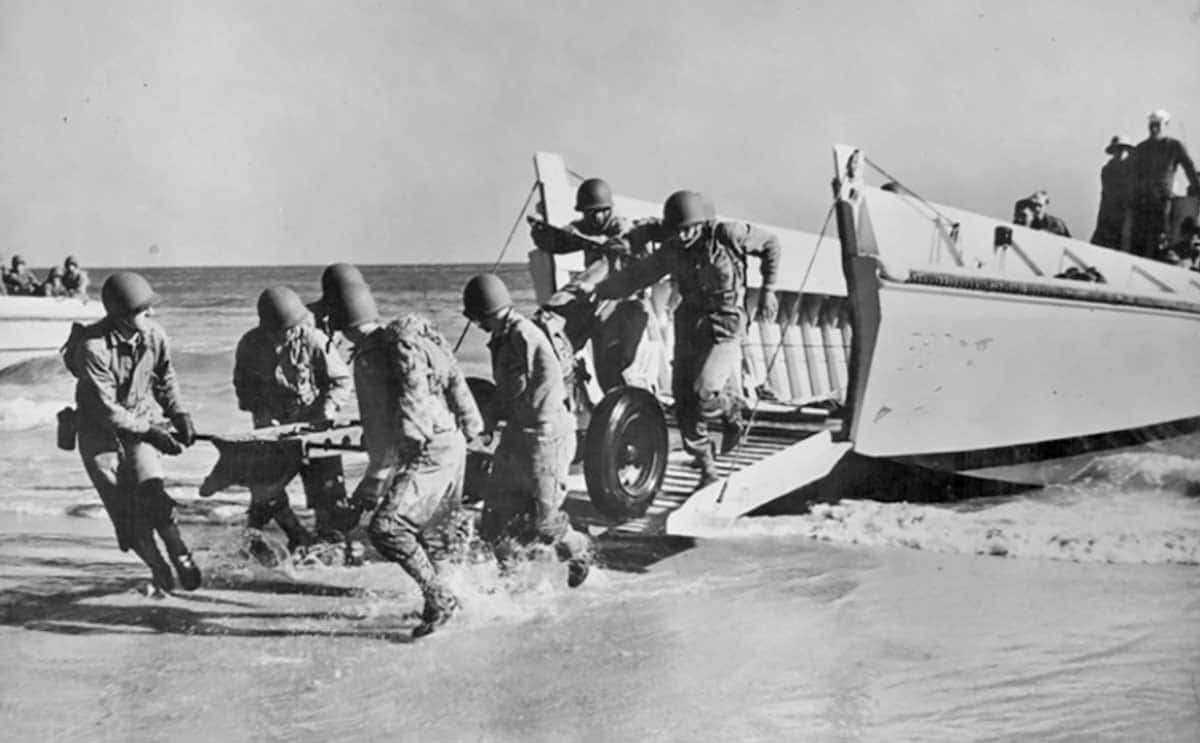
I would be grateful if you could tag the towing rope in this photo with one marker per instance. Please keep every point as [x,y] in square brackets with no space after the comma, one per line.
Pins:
[503,249]
[778,346]
[938,218]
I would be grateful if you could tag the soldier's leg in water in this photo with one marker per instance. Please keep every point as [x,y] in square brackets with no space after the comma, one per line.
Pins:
[549,459]
[154,506]
[106,463]
[505,502]
[270,502]
[325,487]
[452,524]
[396,536]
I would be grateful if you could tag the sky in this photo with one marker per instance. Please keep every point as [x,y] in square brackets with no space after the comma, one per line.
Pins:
[174,133]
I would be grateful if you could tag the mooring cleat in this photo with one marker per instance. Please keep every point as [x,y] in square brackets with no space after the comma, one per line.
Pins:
[189,573]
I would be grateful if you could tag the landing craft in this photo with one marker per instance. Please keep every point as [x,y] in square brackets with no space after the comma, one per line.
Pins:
[31,327]
[922,344]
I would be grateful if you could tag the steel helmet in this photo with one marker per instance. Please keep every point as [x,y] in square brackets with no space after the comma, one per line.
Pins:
[593,193]
[126,293]
[353,306]
[334,279]
[280,308]
[684,209]
[485,295]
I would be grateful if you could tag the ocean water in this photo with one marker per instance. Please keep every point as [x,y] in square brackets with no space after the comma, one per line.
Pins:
[1071,613]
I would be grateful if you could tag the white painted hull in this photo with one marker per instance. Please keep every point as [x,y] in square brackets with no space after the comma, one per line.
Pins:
[971,358]
[31,327]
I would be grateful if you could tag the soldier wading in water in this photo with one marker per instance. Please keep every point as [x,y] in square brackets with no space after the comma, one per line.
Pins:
[125,376]
[417,414]
[286,371]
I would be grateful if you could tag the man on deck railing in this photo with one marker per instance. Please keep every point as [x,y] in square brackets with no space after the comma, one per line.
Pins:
[1155,161]
[1116,186]
[707,258]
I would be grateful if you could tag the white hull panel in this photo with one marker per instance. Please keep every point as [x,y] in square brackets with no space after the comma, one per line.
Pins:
[957,370]
[31,327]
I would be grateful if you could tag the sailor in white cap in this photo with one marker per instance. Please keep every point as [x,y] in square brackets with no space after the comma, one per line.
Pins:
[1116,187]
[1154,162]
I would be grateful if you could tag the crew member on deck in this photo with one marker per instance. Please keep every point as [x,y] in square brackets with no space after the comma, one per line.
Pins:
[1155,160]
[610,243]
[707,257]
[125,376]
[1043,220]
[1116,188]
[286,372]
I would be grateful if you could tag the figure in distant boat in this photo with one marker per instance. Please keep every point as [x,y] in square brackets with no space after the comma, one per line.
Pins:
[417,415]
[74,278]
[1116,190]
[285,371]
[1042,219]
[125,379]
[523,503]
[609,243]
[707,258]
[20,281]
[53,285]
[1154,163]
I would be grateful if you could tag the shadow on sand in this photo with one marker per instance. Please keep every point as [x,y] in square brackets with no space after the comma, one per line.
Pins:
[75,597]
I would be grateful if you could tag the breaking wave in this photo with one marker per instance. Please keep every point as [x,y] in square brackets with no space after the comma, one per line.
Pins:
[1130,508]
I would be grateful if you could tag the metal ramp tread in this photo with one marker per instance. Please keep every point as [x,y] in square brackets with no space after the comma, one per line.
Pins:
[682,477]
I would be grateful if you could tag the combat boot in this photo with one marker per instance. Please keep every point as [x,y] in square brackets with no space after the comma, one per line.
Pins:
[181,556]
[298,537]
[733,429]
[708,470]
[189,573]
[440,605]
[160,572]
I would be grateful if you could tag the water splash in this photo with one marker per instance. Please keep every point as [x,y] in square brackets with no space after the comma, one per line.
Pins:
[1127,509]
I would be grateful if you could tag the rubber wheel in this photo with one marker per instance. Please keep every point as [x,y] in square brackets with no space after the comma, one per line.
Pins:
[625,458]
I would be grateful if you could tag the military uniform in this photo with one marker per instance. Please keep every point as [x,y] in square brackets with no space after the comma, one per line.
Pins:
[529,479]
[417,413]
[710,275]
[75,282]
[1153,164]
[617,326]
[294,376]
[121,384]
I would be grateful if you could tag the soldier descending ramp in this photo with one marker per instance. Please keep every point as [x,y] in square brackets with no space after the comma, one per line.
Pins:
[792,358]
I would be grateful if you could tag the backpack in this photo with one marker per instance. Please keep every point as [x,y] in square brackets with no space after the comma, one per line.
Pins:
[72,348]
[574,371]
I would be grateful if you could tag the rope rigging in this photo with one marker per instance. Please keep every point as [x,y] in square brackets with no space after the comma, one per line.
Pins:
[779,346]
[503,249]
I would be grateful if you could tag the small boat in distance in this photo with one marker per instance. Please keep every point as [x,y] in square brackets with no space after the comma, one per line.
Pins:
[31,327]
